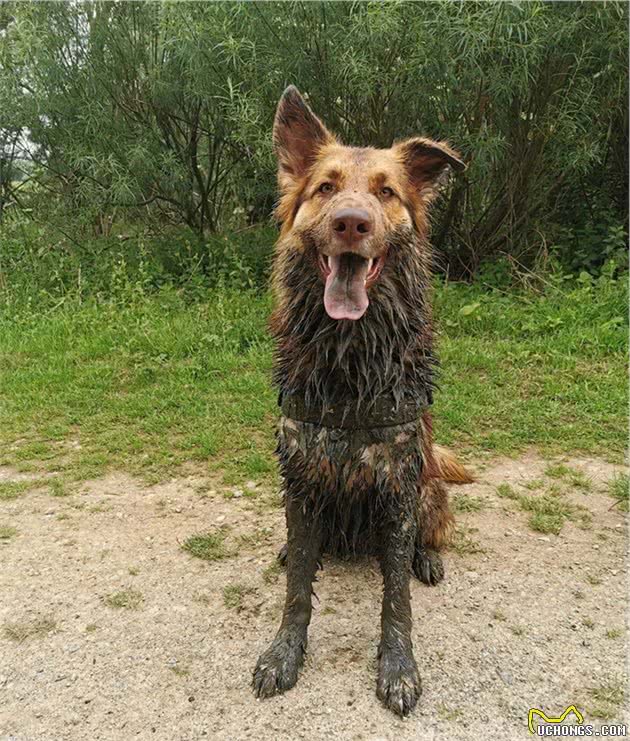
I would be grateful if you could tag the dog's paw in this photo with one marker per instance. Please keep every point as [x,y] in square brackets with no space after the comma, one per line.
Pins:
[277,669]
[428,566]
[282,555]
[398,686]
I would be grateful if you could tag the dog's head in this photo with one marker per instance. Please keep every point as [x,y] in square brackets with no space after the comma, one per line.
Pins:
[345,204]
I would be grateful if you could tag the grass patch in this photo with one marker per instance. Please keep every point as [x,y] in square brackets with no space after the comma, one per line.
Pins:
[619,489]
[180,671]
[255,538]
[125,599]
[467,503]
[19,632]
[608,700]
[271,573]
[234,595]
[13,489]
[593,579]
[505,491]
[7,532]
[547,512]
[208,546]
[58,488]
[613,633]
[557,471]
[463,543]
[534,484]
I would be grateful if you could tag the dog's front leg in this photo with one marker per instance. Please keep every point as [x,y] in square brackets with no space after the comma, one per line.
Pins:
[277,668]
[398,684]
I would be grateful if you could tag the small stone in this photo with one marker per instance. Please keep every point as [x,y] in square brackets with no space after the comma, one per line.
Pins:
[237,492]
[251,485]
[220,518]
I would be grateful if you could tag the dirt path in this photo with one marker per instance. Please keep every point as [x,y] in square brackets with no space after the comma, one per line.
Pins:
[523,619]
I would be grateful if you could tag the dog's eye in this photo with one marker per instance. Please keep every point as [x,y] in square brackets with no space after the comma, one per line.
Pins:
[326,188]
[387,192]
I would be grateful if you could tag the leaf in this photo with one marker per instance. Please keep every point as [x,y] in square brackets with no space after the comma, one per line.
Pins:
[469,309]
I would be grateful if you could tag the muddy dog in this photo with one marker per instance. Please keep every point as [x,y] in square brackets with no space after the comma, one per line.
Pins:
[354,366]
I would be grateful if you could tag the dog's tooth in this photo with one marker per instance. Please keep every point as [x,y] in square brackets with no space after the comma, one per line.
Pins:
[370,261]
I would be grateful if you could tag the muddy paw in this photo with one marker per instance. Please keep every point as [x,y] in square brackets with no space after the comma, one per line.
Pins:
[427,566]
[282,555]
[277,669]
[398,686]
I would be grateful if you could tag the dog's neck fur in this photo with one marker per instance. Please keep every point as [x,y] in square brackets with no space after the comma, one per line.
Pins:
[387,352]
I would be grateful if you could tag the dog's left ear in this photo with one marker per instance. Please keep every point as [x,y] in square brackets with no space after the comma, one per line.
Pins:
[426,162]
[298,135]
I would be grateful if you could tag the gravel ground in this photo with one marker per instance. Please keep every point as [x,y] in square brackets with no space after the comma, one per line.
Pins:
[110,630]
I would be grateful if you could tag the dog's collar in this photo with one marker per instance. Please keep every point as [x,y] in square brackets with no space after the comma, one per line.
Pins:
[384,412]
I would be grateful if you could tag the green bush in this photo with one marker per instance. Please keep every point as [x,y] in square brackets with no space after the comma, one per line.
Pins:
[160,114]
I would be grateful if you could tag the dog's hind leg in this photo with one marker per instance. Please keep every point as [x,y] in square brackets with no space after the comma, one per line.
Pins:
[398,684]
[277,668]
[435,523]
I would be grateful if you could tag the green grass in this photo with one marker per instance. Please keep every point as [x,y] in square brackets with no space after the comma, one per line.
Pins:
[13,489]
[19,632]
[547,512]
[468,503]
[207,546]
[127,599]
[7,532]
[619,488]
[157,380]
[234,596]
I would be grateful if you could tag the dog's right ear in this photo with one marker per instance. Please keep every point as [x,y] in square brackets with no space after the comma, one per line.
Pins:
[298,135]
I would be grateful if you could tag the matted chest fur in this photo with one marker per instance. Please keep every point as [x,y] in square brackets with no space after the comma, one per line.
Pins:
[354,478]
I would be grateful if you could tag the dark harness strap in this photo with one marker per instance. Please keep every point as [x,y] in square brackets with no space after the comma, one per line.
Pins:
[384,412]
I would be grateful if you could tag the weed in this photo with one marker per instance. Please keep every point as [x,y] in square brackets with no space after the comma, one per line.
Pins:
[255,538]
[613,633]
[29,629]
[557,471]
[234,594]
[507,492]
[7,532]
[180,671]
[127,599]
[13,489]
[462,542]
[467,503]
[272,572]
[619,489]
[209,546]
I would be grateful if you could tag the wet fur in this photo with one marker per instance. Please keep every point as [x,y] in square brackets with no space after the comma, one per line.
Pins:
[380,490]
[388,352]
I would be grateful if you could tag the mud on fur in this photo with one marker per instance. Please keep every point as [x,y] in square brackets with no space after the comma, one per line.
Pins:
[354,334]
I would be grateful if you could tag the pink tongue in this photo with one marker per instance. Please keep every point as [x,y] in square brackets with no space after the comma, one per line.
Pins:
[345,296]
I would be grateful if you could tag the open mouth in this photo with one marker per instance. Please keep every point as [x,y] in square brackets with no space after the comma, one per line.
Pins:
[347,278]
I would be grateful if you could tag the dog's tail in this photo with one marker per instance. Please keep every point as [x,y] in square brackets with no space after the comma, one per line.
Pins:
[451,470]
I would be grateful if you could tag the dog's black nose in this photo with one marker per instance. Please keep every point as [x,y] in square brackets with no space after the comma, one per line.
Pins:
[351,224]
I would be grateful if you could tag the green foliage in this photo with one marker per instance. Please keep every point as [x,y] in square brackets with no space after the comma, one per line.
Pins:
[160,114]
